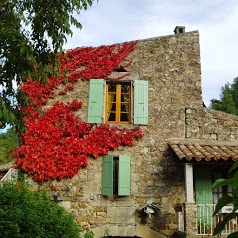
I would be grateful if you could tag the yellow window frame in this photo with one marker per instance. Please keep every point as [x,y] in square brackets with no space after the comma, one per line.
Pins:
[117,95]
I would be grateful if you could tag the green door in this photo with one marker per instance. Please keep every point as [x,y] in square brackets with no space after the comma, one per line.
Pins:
[203,185]
[204,198]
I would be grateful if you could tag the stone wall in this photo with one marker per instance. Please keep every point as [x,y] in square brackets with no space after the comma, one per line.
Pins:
[191,220]
[205,123]
[171,64]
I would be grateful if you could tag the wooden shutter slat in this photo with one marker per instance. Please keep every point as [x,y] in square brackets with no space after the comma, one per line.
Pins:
[107,175]
[95,101]
[124,178]
[141,102]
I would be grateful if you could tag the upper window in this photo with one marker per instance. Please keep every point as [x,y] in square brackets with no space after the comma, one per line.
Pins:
[118,102]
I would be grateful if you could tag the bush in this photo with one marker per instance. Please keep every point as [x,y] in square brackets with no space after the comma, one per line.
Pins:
[8,141]
[227,200]
[27,214]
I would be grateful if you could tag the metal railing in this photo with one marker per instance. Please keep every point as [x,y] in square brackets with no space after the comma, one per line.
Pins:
[206,222]
[11,174]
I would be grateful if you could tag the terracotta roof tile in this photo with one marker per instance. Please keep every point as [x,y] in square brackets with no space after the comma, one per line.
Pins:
[204,150]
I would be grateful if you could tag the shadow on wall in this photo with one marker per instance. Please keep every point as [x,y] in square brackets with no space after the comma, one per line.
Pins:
[178,234]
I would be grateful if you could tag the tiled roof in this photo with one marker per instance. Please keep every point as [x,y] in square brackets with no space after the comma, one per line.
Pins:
[203,150]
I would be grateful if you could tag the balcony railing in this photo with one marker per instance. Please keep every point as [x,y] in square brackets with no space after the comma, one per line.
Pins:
[206,222]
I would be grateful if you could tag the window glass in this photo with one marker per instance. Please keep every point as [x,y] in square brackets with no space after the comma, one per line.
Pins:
[118,102]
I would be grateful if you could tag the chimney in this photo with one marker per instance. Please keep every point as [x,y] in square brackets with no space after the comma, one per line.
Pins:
[179,29]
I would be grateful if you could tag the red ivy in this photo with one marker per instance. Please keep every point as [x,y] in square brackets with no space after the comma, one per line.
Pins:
[57,144]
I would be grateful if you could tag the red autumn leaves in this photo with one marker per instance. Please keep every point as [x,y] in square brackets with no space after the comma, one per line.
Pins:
[57,144]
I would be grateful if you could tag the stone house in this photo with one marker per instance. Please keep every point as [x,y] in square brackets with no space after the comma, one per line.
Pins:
[160,187]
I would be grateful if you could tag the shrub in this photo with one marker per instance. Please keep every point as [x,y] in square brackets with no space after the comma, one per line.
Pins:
[27,214]
[227,200]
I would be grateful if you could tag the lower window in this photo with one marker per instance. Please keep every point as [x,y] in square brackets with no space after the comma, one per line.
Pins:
[116,175]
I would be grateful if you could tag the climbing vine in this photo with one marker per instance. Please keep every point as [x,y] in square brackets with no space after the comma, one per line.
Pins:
[56,143]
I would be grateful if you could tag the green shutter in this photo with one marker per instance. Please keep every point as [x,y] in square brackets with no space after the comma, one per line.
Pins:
[203,185]
[95,101]
[141,102]
[124,177]
[107,175]
[203,189]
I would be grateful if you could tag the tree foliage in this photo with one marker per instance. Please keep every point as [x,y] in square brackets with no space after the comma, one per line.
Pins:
[228,101]
[227,200]
[27,214]
[31,34]
[8,141]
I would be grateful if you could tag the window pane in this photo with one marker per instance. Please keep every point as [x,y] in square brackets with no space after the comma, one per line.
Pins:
[124,117]
[111,97]
[124,97]
[111,87]
[124,107]
[111,116]
[125,88]
[112,107]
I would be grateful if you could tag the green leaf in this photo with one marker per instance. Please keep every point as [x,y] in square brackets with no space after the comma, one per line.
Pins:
[222,182]
[12,117]
[234,166]
[219,227]
[233,235]
[223,201]
[24,53]
[235,181]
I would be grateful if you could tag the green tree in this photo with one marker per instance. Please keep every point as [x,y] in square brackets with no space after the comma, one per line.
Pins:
[27,214]
[228,101]
[8,141]
[31,34]
[227,200]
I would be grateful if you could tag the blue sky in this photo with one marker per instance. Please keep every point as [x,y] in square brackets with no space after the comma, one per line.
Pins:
[114,21]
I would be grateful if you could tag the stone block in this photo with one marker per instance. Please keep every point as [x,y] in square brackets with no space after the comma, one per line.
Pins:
[122,230]
[121,215]
[99,209]
[66,205]
[131,231]
[101,214]
[114,230]
[127,203]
